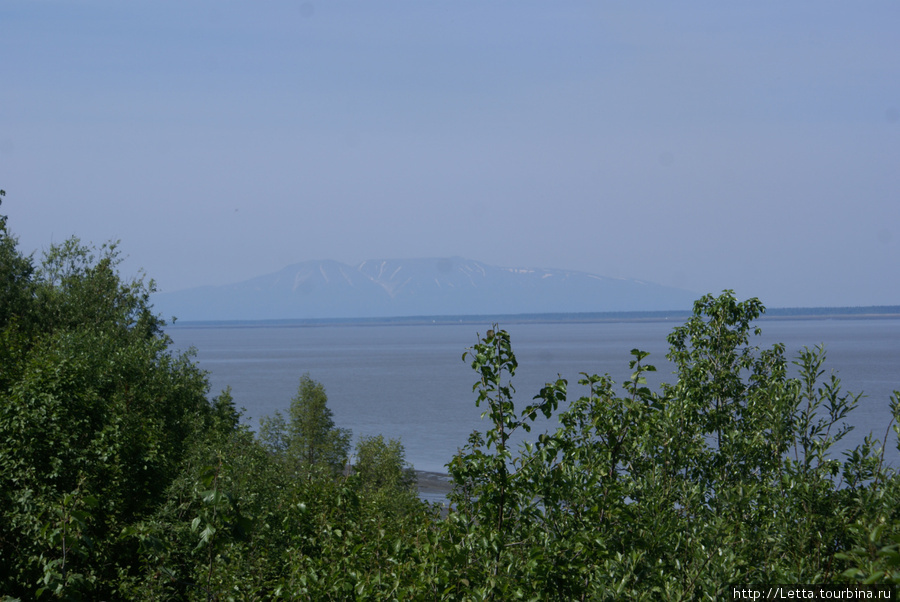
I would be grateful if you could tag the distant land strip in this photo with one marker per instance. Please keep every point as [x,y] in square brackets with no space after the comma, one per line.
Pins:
[776,313]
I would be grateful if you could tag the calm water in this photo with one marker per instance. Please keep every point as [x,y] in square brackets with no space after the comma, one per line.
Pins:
[409,382]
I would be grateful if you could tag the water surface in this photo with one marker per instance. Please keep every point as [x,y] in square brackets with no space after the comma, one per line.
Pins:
[409,381]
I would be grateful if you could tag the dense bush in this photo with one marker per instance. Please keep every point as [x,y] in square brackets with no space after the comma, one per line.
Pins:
[722,478]
[96,416]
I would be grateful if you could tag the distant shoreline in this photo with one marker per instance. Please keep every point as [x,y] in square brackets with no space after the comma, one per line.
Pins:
[777,313]
[433,482]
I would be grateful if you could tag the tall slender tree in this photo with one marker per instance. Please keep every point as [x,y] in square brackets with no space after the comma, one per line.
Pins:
[308,439]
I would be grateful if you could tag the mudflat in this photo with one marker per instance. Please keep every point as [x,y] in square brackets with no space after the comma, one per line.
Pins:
[433,482]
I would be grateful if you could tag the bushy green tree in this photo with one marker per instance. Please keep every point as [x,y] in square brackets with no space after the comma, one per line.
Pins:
[724,477]
[219,531]
[874,556]
[308,440]
[119,480]
[16,283]
[239,523]
[96,415]
[384,479]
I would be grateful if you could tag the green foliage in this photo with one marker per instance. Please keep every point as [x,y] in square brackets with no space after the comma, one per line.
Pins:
[310,440]
[120,480]
[383,478]
[16,286]
[723,477]
[874,556]
[95,417]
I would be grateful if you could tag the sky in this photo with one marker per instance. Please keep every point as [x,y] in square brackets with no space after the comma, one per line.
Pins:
[703,145]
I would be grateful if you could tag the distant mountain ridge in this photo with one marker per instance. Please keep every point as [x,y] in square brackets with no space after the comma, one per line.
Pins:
[416,287]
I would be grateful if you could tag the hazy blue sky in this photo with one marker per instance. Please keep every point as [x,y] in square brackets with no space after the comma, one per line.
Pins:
[707,145]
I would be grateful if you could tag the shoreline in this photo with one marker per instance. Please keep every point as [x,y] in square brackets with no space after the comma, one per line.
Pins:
[433,484]
[872,312]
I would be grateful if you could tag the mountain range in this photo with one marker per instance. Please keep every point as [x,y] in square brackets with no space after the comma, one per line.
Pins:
[415,287]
